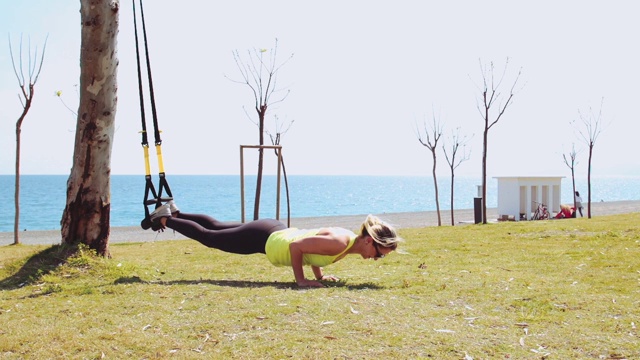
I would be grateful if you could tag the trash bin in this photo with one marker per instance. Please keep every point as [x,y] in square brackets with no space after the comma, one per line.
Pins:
[477,210]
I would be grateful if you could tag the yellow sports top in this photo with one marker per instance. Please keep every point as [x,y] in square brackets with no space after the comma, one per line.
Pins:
[277,247]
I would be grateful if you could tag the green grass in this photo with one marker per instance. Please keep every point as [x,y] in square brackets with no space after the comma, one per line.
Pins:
[562,289]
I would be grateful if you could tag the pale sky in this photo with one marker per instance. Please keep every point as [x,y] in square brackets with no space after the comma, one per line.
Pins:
[363,73]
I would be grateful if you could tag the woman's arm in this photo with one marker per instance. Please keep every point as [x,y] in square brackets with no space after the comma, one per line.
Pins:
[317,271]
[321,245]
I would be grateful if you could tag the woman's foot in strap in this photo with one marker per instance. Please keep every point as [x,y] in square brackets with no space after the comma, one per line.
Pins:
[156,216]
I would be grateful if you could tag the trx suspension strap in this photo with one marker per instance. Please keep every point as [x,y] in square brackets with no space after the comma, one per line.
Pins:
[163,185]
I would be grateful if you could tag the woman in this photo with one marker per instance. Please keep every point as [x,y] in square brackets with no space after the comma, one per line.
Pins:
[578,201]
[283,246]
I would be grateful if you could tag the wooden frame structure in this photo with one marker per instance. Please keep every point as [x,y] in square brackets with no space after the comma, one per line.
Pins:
[278,149]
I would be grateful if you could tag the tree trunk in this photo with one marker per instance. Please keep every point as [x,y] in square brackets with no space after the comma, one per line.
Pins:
[16,220]
[484,171]
[573,186]
[87,212]
[27,105]
[589,182]
[256,205]
[453,222]
[435,185]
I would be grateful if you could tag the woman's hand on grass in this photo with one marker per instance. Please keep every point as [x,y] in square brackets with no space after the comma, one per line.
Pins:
[330,278]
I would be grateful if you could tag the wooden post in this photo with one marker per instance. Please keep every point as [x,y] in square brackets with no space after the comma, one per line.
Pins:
[278,149]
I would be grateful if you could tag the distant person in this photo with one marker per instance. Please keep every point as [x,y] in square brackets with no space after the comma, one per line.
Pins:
[579,203]
[566,211]
[283,246]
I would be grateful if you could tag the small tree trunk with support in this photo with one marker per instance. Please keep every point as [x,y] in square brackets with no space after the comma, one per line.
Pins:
[276,141]
[261,77]
[262,110]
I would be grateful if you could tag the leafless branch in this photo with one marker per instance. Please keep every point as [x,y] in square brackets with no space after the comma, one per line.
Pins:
[260,76]
[592,125]
[432,133]
[44,48]
[570,159]
[13,63]
[458,142]
[492,94]
[275,139]
[33,69]
[279,131]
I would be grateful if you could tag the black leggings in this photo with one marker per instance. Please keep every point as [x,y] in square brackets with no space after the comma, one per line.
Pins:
[236,238]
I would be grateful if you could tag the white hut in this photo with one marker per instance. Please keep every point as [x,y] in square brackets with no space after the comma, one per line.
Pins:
[519,196]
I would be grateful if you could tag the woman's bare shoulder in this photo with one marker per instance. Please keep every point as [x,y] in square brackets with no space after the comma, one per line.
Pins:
[336,232]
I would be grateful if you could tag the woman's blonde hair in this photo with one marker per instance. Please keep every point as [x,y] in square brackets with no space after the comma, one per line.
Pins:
[381,232]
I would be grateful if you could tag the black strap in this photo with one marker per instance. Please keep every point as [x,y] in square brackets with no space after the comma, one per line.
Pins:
[156,197]
[154,113]
[145,142]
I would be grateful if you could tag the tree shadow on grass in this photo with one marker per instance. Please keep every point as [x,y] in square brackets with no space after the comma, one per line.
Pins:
[247,284]
[38,265]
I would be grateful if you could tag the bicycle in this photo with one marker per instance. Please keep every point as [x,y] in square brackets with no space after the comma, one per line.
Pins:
[541,212]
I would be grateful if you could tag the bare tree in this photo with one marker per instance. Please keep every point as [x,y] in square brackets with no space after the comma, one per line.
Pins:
[429,139]
[27,83]
[570,161]
[261,75]
[87,212]
[491,115]
[591,127]
[457,141]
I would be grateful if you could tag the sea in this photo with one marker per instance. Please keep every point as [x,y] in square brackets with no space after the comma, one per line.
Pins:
[43,197]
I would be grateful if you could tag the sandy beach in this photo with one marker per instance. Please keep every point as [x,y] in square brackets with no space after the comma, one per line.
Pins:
[400,220]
